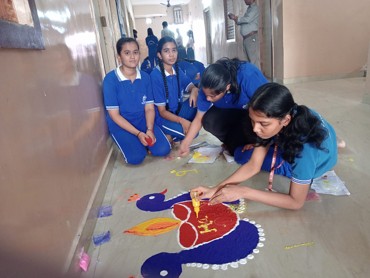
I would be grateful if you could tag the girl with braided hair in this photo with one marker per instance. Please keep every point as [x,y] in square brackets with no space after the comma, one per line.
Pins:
[171,88]
[225,90]
[298,135]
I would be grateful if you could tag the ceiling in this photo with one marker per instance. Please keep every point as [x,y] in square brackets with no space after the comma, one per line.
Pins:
[158,2]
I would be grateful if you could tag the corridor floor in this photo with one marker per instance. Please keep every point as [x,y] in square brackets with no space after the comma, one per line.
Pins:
[327,238]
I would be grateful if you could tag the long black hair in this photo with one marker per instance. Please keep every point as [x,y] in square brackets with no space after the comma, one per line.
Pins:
[276,101]
[218,75]
[161,43]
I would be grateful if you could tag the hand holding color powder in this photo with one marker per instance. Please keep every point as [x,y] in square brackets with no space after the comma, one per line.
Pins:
[149,140]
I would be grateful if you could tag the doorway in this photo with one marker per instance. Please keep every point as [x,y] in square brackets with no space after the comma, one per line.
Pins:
[207,24]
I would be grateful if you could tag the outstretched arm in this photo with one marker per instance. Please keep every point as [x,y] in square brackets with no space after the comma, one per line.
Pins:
[195,127]
[229,190]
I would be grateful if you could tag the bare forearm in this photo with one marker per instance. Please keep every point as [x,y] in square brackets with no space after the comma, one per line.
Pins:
[149,116]
[273,199]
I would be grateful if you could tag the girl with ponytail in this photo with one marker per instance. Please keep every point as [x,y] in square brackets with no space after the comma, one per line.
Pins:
[175,96]
[298,136]
[225,90]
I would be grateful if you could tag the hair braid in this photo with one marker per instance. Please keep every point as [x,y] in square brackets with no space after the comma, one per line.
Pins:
[178,88]
[164,80]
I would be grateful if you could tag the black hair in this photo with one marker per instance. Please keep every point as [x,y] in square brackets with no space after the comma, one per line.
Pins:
[123,41]
[164,24]
[161,43]
[150,32]
[190,34]
[276,101]
[218,75]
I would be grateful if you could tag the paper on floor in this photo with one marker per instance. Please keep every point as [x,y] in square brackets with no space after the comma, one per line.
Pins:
[330,183]
[206,154]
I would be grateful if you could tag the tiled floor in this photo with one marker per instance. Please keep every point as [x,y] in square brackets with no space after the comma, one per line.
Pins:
[328,238]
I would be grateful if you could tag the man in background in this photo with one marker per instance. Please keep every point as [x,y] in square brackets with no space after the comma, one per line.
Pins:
[166,32]
[249,30]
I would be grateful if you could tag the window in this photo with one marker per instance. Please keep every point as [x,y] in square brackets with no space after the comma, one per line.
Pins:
[177,15]
[20,25]
[229,24]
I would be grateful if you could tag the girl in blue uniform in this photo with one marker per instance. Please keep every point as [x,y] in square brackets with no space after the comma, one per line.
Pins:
[128,99]
[170,86]
[298,134]
[226,88]
[152,43]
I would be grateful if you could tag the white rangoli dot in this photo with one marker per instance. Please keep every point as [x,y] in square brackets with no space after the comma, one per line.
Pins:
[193,265]
[256,251]
[205,266]
[262,239]
[215,267]
[234,265]
[250,257]
[199,265]
[152,197]
[163,273]
[243,261]
[260,244]
[224,267]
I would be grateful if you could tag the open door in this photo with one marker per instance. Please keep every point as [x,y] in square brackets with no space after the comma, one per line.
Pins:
[207,24]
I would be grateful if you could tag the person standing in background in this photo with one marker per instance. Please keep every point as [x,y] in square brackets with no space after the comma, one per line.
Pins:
[190,46]
[249,30]
[152,43]
[180,46]
[166,32]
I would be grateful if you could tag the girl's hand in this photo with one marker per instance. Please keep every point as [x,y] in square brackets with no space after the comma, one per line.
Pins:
[141,136]
[203,192]
[193,97]
[247,147]
[150,139]
[183,149]
[227,193]
[185,125]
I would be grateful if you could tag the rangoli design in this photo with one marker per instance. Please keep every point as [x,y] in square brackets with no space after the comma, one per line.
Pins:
[217,239]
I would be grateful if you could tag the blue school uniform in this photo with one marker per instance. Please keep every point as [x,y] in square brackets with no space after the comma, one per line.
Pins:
[130,99]
[311,163]
[249,78]
[191,69]
[152,43]
[175,100]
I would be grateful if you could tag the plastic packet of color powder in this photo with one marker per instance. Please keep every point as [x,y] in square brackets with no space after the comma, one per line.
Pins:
[105,211]
[101,238]
[84,261]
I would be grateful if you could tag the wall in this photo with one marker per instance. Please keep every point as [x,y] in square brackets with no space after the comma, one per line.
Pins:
[325,39]
[53,141]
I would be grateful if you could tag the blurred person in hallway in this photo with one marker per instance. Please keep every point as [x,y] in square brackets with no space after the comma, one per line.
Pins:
[190,46]
[152,42]
[249,23]
[166,32]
